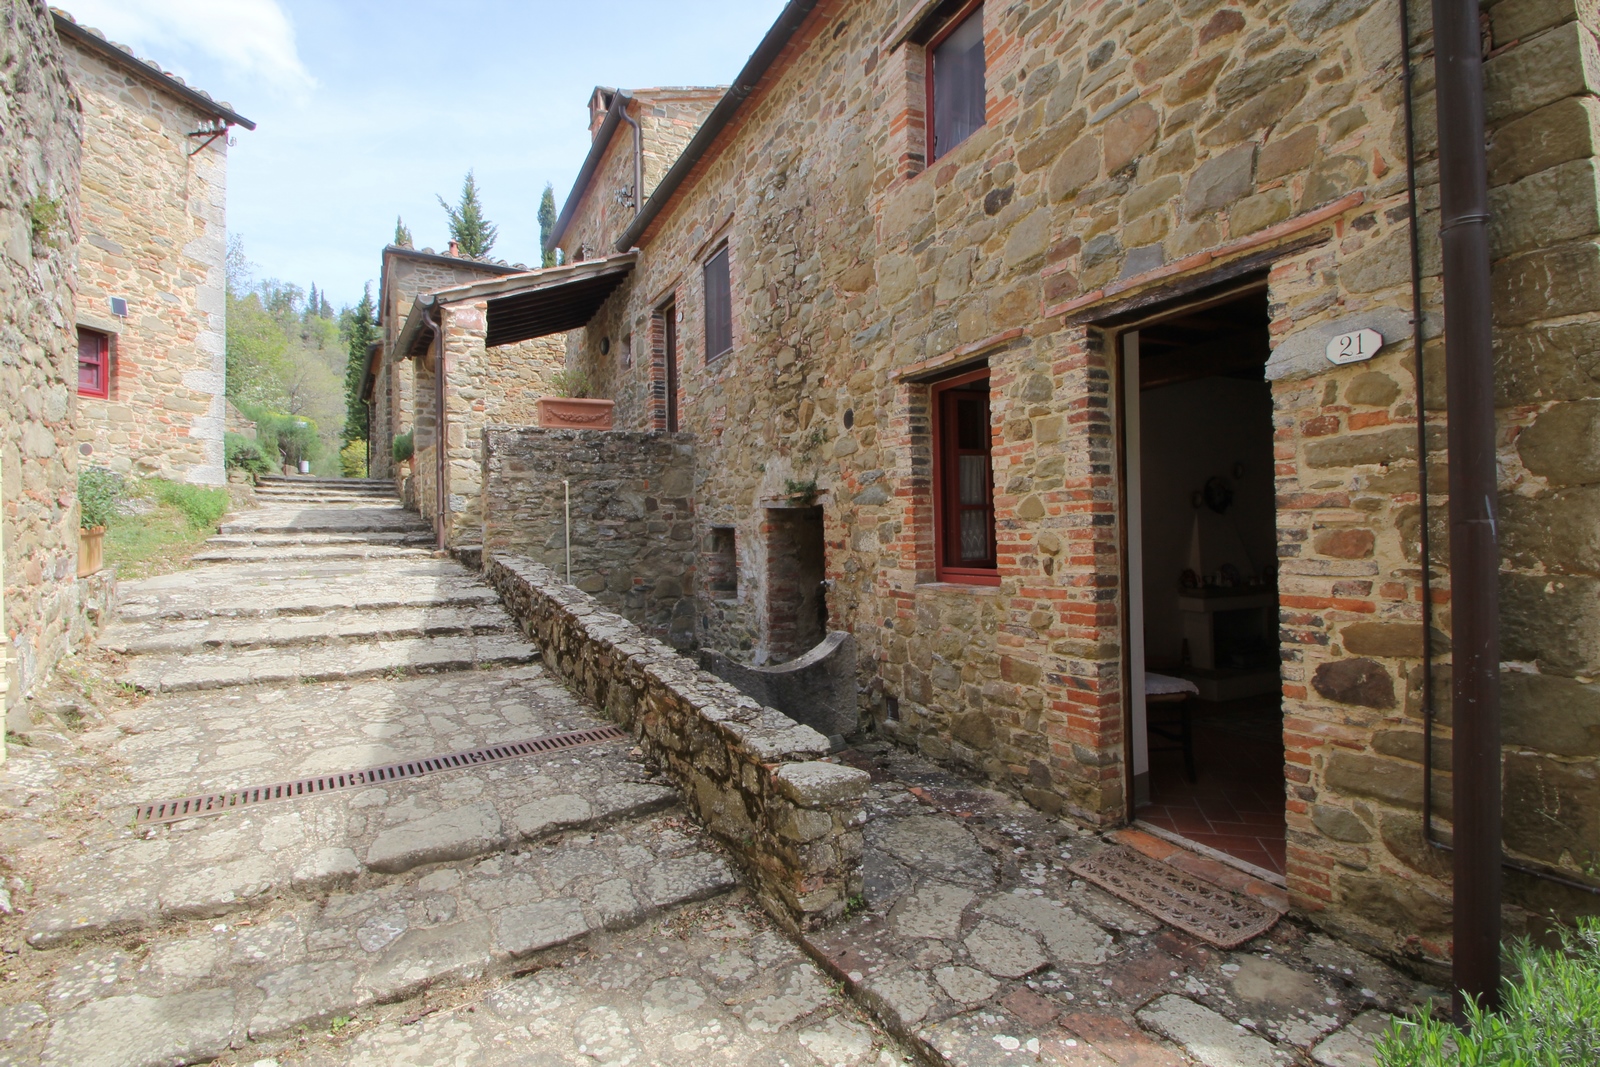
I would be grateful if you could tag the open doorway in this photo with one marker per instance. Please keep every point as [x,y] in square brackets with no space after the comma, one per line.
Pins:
[796,617]
[1206,717]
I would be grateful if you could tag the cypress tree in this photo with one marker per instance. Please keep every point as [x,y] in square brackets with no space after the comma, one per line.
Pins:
[473,234]
[363,330]
[547,223]
[402,236]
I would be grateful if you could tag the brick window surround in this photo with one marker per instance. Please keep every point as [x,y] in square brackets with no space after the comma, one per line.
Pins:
[94,363]
[664,367]
[955,81]
[963,480]
[719,305]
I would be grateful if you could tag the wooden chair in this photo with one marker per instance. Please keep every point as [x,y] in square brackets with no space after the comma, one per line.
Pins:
[1175,696]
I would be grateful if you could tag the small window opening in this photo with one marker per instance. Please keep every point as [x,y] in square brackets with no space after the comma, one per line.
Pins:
[957,99]
[94,363]
[722,563]
[719,306]
[964,528]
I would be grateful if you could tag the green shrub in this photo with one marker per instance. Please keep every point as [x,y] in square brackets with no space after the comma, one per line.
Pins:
[99,494]
[403,447]
[353,459]
[1549,1017]
[572,383]
[287,438]
[201,506]
[243,454]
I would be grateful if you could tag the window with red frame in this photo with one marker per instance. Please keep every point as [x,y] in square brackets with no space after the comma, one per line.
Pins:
[955,80]
[963,499]
[94,363]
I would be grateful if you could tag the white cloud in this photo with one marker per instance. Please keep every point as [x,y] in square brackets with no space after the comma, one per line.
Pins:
[253,37]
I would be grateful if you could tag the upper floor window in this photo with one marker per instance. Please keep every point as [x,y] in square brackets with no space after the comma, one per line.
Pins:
[719,306]
[955,80]
[964,529]
[94,363]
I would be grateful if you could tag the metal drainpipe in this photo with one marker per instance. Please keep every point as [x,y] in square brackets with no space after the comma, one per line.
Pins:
[1474,551]
[638,153]
[439,428]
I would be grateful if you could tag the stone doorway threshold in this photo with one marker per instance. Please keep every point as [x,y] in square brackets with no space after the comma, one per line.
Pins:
[1173,838]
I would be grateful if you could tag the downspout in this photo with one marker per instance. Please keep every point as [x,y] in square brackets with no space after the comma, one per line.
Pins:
[624,99]
[1474,549]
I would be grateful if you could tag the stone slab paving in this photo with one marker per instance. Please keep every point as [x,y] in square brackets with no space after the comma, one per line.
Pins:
[326,520]
[272,553]
[166,636]
[977,943]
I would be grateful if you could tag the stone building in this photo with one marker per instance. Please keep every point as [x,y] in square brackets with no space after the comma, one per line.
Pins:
[406,272]
[151,264]
[40,598]
[1107,367]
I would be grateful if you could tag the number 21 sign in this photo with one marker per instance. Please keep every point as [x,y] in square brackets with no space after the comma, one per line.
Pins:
[1354,347]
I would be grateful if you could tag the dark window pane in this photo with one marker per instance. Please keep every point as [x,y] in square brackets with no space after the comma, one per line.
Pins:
[972,424]
[719,309]
[958,91]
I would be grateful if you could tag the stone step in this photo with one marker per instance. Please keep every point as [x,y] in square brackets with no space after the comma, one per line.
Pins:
[211,986]
[273,500]
[326,520]
[267,540]
[312,480]
[267,590]
[177,672]
[176,636]
[125,878]
[288,493]
[290,551]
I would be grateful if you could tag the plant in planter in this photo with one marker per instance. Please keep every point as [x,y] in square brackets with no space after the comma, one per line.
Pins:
[404,448]
[99,491]
[571,407]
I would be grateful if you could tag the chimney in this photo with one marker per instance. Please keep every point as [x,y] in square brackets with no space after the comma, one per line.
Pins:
[455,249]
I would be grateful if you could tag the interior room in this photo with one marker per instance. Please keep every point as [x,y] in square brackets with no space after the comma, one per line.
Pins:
[1207,590]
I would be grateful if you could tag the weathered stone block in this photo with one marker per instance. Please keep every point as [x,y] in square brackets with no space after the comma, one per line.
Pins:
[1354,774]
[1566,130]
[1563,444]
[1341,824]
[1394,640]
[1283,156]
[1563,62]
[1361,681]
[1220,181]
[1551,808]
[1547,284]
[1551,621]
[1358,449]
[1538,364]
[817,784]
[1521,19]
[1558,204]
[1551,714]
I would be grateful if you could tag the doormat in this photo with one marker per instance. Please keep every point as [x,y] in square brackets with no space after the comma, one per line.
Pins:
[1193,905]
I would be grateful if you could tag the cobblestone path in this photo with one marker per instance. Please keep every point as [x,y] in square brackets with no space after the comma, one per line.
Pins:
[558,909]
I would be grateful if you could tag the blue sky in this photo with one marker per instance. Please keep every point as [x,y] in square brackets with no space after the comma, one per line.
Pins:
[366,109]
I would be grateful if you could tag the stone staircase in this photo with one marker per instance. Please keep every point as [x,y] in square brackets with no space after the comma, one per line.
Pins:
[320,637]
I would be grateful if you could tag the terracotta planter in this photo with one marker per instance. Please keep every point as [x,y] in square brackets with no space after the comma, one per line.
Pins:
[574,413]
[91,550]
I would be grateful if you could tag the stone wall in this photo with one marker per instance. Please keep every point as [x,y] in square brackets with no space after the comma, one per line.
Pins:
[406,274]
[1137,151]
[632,516]
[484,387]
[753,776]
[154,233]
[39,222]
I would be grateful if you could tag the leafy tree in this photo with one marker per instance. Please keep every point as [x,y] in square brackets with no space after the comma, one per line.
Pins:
[547,223]
[473,234]
[402,236]
[361,329]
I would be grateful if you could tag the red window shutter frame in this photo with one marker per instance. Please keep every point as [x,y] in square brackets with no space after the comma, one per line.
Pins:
[929,124]
[946,500]
[94,363]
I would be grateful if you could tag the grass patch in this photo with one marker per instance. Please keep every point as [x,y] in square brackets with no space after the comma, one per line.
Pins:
[162,527]
[1549,1017]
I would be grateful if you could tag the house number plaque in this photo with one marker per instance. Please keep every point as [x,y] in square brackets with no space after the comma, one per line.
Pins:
[1354,347]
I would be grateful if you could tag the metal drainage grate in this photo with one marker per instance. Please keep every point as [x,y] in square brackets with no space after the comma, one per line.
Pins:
[220,803]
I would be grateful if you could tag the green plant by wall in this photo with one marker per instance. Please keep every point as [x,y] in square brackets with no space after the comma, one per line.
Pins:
[571,383]
[99,496]
[404,446]
[1550,1015]
[244,455]
[203,507]
[804,493]
[353,460]
[44,213]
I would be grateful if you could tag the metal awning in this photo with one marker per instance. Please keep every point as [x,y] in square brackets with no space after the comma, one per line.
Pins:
[523,306]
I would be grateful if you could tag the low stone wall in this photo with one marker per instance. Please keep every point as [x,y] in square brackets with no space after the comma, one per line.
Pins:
[818,689]
[633,544]
[753,775]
